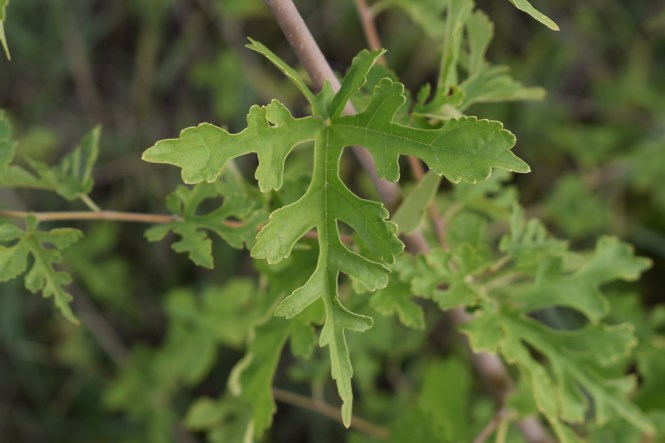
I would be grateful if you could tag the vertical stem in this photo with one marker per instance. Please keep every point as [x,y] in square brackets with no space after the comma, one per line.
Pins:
[301,40]
[369,27]
[303,44]
[89,203]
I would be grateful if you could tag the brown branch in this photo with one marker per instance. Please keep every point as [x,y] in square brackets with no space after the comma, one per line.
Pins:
[369,28]
[130,217]
[300,38]
[357,423]
[487,431]
[489,366]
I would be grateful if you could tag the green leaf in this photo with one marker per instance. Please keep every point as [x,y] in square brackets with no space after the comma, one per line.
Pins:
[17,177]
[44,247]
[524,5]
[466,37]
[464,149]
[529,242]
[271,132]
[71,178]
[3,38]
[204,413]
[580,290]
[444,395]
[396,299]
[410,213]
[479,30]
[494,85]
[225,420]
[193,227]
[287,70]
[355,78]
[450,269]
[576,359]
[14,259]
[576,209]
[457,13]
[7,146]
[425,13]
[251,379]
[561,366]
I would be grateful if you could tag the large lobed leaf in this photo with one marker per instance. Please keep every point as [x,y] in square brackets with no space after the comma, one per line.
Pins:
[465,149]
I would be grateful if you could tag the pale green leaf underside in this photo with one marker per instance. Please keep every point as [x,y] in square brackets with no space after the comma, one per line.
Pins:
[525,6]
[465,149]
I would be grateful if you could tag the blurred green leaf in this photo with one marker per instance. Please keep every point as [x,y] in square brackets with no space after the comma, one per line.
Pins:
[193,227]
[44,247]
[3,38]
[410,213]
[524,5]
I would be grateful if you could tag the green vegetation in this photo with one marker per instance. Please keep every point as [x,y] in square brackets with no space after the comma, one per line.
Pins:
[417,246]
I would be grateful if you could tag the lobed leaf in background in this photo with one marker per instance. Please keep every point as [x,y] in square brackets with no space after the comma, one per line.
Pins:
[464,149]
[44,247]
[537,274]
[193,227]
[465,35]
[71,177]
[524,5]
[200,326]
[247,408]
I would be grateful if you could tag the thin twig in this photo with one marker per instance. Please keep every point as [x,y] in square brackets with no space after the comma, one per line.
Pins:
[489,366]
[369,28]
[490,427]
[329,411]
[90,203]
[130,217]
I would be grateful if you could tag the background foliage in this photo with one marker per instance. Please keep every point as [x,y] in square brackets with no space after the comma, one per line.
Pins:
[161,335]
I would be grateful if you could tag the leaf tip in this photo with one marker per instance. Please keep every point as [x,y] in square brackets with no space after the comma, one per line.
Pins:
[347,413]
